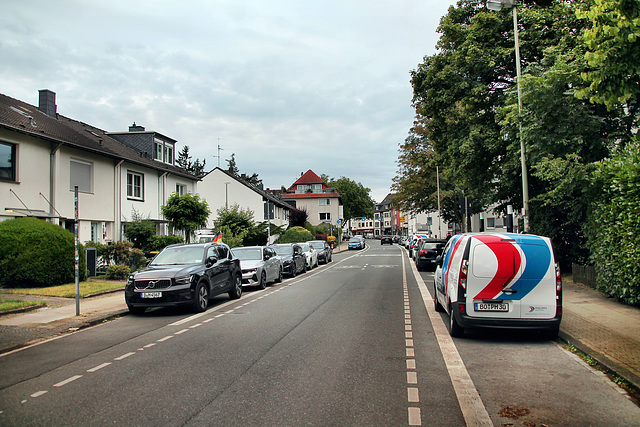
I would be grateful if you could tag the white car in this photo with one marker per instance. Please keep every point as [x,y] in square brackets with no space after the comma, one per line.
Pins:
[310,254]
[489,280]
[260,265]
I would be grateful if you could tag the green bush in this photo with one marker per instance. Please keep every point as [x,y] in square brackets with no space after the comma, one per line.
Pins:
[117,272]
[35,253]
[295,235]
[614,226]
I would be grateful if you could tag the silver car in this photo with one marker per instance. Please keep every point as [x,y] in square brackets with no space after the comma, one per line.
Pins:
[260,265]
[310,254]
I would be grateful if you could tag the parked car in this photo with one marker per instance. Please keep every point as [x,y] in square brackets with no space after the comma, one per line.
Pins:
[325,253]
[357,242]
[386,240]
[293,260]
[311,255]
[185,275]
[495,280]
[427,253]
[260,265]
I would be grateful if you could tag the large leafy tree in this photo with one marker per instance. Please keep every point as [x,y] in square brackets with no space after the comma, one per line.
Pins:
[356,198]
[187,213]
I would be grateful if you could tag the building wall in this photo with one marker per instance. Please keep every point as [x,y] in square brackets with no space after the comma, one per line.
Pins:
[313,208]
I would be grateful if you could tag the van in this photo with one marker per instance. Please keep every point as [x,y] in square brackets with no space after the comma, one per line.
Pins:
[488,280]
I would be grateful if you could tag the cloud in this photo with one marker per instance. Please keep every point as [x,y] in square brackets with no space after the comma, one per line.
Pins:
[285,85]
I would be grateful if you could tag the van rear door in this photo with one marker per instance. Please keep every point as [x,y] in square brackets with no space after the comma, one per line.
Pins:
[511,276]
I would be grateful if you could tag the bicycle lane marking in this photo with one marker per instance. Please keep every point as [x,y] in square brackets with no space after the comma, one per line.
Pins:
[473,410]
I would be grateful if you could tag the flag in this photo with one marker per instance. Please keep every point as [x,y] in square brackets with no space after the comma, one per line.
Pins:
[218,238]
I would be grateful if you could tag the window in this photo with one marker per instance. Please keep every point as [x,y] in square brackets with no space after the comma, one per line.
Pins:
[181,189]
[491,222]
[163,151]
[324,202]
[81,175]
[7,161]
[325,216]
[135,185]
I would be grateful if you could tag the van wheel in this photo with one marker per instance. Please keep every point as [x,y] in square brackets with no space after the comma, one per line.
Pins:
[455,330]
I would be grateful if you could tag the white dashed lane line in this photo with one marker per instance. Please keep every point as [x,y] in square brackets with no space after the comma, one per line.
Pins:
[67,381]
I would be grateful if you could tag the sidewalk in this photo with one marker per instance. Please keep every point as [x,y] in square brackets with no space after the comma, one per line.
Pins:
[606,330]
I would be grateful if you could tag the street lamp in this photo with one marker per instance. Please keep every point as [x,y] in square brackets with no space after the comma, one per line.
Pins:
[499,5]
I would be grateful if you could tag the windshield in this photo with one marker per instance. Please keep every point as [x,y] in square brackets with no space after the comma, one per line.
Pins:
[248,253]
[179,255]
[317,245]
[283,250]
[355,240]
[305,247]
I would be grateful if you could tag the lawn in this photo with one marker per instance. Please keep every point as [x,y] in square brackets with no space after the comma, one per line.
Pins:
[90,287]
[13,304]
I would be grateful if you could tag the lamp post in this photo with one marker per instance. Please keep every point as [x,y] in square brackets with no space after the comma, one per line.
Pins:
[499,5]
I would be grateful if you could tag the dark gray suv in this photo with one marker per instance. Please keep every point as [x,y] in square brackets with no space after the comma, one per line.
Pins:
[185,275]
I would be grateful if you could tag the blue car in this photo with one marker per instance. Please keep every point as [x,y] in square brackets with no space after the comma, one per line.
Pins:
[357,242]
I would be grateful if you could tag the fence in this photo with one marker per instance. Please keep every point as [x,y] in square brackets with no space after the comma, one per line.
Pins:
[585,274]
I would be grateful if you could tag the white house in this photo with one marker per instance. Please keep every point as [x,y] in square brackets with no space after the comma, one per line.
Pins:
[222,189]
[44,156]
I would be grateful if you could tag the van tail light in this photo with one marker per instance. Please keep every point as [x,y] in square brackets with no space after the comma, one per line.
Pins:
[558,279]
[462,279]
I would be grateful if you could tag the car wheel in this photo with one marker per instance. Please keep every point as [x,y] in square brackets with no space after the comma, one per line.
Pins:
[455,330]
[136,310]
[279,278]
[294,269]
[201,300]
[236,290]
[304,267]
[263,281]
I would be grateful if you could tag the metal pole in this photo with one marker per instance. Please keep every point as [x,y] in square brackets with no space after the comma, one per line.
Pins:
[77,259]
[439,213]
[523,161]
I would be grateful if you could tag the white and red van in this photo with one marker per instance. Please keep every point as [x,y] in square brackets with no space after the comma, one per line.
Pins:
[499,280]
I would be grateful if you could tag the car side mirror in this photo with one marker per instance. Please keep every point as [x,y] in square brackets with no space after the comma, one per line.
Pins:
[267,257]
[211,260]
[439,260]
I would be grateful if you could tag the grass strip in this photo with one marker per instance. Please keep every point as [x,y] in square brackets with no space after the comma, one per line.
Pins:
[14,304]
[89,287]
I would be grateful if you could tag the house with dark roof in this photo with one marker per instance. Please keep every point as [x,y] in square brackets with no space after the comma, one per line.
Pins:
[44,156]
[310,193]
[221,188]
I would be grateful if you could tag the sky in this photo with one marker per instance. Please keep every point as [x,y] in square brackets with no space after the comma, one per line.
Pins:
[285,85]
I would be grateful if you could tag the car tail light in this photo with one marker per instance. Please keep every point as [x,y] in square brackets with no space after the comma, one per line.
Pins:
[462,279]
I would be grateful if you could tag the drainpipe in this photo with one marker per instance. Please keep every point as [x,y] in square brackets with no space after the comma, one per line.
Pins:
[163,200]
[52,179]
[117,214]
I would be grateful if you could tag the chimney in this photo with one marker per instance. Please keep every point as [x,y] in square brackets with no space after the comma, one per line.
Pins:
[135,128]
[47,102]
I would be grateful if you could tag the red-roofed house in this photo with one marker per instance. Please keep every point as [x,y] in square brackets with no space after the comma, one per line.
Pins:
[311,193]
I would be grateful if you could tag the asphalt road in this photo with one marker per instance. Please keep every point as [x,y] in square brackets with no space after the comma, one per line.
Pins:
[354,342]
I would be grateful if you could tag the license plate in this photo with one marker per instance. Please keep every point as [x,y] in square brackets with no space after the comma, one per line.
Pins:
[491,306]
[151,295]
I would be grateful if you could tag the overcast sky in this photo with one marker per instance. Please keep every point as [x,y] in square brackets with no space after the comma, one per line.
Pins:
[286,85]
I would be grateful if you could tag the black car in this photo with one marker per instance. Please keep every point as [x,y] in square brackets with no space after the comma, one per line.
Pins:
[185,275]
[293,259]
[324,250]
[386,240]
[427,253]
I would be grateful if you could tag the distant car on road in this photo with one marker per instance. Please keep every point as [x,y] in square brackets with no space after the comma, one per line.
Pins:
[293,259]
[185,275]
[357,242]
[386,240]
[325,253]
[260,265]
[427,253]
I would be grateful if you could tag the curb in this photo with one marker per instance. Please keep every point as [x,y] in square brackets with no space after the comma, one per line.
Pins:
[605,364]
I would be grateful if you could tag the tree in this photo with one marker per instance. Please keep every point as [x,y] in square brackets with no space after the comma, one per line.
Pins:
[298,217]
[614,58]
[139,230]
[233,169]
[234,218]
[186,213]
[356,199]
[194,167]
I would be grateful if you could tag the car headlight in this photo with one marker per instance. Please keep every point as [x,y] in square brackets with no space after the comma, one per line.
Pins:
[184,280]
[130,280]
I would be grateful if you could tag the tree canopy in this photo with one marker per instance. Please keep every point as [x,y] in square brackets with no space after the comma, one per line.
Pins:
[356,199]
[187,213]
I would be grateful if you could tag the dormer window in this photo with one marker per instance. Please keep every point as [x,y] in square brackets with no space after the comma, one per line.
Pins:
[163,151]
